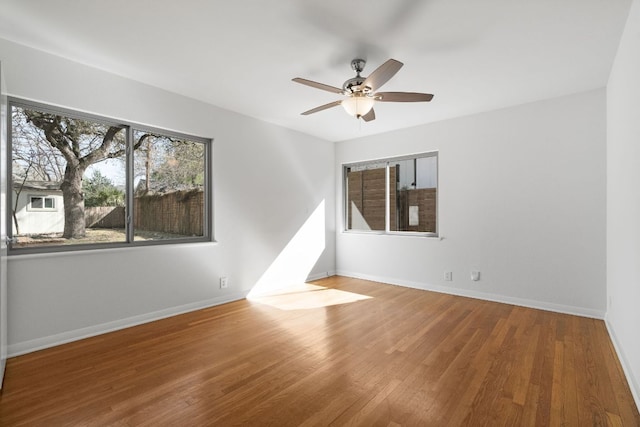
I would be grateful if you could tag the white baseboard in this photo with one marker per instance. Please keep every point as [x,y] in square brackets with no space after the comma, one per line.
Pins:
[25,347]
[523,302]
[633,385]
[323,275]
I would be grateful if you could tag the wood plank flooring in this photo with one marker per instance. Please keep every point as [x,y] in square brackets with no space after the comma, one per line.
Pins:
[342,352]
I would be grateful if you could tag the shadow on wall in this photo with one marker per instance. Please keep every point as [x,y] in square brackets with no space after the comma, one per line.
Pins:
[295,262]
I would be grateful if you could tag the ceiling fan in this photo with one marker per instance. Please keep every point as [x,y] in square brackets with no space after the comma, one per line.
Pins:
[361,91]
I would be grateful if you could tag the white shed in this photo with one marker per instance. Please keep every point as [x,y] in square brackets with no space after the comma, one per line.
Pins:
[40,208]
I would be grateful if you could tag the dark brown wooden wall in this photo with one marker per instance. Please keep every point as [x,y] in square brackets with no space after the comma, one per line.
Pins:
[425,199]
[366,193]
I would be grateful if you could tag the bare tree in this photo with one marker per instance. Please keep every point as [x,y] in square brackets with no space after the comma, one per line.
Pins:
[77,144]
[31,152]
[179,165]
[168,163]
[18,190]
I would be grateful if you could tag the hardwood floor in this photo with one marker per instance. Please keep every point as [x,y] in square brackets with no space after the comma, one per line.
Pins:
[380,355]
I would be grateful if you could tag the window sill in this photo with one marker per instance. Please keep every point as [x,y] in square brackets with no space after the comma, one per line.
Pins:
[92,249]
[395,233]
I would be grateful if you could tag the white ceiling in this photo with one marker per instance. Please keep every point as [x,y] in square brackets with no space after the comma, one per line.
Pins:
[241,55]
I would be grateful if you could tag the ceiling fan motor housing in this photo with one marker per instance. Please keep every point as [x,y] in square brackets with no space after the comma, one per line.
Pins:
[354,85]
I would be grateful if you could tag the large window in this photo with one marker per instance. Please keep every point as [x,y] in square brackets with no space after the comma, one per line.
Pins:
[397,195]
[81,182]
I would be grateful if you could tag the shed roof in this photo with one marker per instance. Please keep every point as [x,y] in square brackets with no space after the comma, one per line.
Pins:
[37,185]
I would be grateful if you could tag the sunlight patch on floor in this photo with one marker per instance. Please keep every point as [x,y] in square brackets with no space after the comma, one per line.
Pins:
[306,296]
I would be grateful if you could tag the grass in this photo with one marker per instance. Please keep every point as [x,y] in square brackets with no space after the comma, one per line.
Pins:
[93,236]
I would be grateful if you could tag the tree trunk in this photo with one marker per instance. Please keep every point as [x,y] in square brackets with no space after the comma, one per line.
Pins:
[16,223]
[147,168]
[73,202]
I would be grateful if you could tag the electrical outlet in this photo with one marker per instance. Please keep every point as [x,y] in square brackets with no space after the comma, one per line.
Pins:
[475,275]
[448,276]
[224,282]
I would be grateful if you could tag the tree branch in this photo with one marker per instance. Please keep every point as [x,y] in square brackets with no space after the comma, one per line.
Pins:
[53,132]
[102,152]
[120,153]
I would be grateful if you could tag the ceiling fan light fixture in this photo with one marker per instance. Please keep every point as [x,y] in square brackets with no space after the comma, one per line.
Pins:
[358,105]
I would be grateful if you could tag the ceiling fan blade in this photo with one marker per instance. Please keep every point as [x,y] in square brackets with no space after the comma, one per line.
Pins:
[371,115]
[322,107]
[382,74]
[403,97]
[318,85]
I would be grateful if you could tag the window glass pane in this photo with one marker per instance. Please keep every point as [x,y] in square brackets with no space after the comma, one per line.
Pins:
[36,203]
[70,177]
[415,195]
[169,198]
[366,197]
[80,164]
[409,184]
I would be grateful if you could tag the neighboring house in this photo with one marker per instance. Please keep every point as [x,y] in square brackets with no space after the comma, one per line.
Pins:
[40,208]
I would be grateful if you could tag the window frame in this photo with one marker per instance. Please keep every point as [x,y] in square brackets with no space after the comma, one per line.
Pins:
[129,127]
[388,161]
[44,207]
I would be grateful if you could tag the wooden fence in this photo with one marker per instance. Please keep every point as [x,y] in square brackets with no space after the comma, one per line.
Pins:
[104,217]
[179,212]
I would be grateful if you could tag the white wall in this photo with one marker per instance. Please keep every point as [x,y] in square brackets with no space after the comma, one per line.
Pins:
[267,181]
[623,199]
[522,199]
